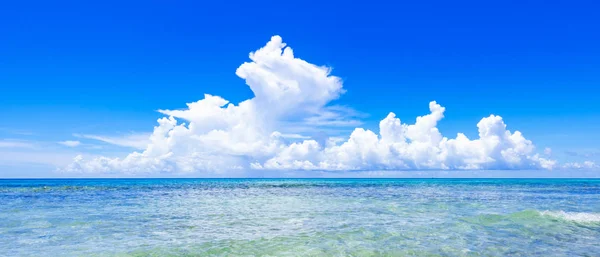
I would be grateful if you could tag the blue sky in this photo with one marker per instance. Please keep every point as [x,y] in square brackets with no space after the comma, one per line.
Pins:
[75,71]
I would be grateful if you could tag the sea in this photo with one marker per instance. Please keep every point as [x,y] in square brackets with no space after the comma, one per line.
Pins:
[299,217]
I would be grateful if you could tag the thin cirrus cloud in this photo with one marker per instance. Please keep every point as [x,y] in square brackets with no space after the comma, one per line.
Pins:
[580,165]
[136,141]
[215,136]
[70,143]
[16,143]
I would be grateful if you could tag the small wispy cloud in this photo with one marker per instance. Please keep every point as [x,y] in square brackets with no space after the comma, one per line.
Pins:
[336,116]
[580,165]
[50,158]
[16,131]
[70,143]
[294,136]
[13,143]
[135,140]
[583,153]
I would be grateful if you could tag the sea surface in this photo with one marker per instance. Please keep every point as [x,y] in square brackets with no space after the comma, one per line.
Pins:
[300,217]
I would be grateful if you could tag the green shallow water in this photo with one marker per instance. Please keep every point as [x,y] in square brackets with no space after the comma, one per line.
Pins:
[300,217]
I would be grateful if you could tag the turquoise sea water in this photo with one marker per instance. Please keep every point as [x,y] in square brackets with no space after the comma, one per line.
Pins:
[300,217]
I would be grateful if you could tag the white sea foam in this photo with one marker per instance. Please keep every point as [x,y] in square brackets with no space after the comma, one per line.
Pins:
[579,217]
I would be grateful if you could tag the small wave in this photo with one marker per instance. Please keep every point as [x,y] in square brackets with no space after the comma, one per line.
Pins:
[579,217]
[526,216]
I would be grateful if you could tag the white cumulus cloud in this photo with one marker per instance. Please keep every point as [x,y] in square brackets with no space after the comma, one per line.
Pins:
[416,146]
[214,135]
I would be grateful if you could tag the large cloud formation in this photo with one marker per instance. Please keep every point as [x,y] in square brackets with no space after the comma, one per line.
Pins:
[214,135]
